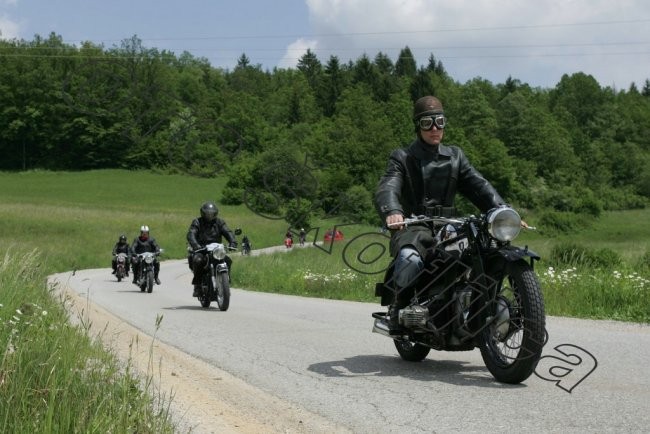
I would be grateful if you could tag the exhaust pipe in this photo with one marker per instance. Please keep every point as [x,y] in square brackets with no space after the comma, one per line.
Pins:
[381,327]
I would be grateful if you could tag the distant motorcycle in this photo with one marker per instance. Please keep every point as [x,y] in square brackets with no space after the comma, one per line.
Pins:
[215,284]
[245,248]
[120,267]
[477,290]
[145,276]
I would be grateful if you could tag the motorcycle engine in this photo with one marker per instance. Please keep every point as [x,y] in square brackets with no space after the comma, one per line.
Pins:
[414,316]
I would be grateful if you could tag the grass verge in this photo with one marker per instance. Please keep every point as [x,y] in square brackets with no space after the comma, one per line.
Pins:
[53,376]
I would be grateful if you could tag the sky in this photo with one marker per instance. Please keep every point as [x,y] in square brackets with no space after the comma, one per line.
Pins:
[534,41]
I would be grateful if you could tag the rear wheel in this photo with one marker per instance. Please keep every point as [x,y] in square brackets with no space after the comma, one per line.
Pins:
[411,352]
[205,295]
[223,291]
[513,341]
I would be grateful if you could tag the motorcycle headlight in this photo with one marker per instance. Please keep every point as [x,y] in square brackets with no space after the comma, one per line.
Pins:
[219,252]
[504,224]
[148,259]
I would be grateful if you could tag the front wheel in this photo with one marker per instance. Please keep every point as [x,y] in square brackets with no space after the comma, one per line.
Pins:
[223,291]
[411,352]
[149,281]
[514,338]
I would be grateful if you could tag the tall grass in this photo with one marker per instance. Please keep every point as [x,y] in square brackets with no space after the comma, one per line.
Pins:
[53,377]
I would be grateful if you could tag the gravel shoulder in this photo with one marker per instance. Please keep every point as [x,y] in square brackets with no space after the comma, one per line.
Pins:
[204,399]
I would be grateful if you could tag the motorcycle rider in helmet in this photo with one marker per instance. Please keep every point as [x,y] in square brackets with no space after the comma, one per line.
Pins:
[145,243]
[121,247]
[205,230]
[423,179]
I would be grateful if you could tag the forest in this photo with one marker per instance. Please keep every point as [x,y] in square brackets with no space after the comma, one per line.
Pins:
[314,140]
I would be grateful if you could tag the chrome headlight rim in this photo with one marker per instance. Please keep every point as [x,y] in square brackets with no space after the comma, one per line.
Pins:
[219,252]
[504,223]
[148,259]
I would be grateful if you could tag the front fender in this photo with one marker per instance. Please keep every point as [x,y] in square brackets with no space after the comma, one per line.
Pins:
[514,253]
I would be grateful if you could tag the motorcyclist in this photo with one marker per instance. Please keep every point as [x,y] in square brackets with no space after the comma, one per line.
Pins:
[206,229]
[246,244]
[423,179]
[144,243]
[302,236]
[121,247]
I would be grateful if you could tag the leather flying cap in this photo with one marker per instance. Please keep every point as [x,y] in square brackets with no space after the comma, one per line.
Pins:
[427,105]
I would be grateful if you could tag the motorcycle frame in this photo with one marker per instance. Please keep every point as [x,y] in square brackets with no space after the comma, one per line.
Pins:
[486,260]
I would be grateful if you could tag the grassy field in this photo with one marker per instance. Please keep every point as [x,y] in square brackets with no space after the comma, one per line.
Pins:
[58,221]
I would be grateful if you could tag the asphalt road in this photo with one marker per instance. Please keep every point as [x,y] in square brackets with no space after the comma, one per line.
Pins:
[321,355]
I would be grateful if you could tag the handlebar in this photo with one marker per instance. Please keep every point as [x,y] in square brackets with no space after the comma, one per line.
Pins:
[414,220]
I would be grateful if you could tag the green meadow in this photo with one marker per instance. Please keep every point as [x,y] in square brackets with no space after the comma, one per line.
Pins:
[58,221]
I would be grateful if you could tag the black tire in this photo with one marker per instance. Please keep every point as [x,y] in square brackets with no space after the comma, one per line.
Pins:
[149,281]
[205,301]
[223,291]
[511,353]
[204,296]
[411,352]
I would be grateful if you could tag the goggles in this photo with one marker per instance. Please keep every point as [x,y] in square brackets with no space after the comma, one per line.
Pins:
[426,123]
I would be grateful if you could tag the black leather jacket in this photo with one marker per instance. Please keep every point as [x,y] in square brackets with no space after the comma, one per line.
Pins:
[141,246]
[202,233]
[423,176]
[122,248]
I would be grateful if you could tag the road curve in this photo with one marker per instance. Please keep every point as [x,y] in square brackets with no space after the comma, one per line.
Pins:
[275,363]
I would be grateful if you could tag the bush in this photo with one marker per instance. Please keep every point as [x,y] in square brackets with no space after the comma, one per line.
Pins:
[644,261]
[563,222]
[573,254]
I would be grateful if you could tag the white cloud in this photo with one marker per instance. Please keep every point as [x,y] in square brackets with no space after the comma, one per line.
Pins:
[294,51]
[535,42]
[8,28]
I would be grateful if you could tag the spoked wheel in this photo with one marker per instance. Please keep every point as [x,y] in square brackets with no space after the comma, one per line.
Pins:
[411,352]
[513,340]
[223,291]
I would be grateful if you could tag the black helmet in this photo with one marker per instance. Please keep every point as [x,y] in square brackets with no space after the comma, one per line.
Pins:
[426,106]
[122,238]
[209,211]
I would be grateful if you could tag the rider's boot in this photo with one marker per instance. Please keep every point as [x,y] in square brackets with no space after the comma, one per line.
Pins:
[156,279]
[197,288]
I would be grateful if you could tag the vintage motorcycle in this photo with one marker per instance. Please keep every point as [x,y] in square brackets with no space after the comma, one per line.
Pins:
[476,290]
[120,266]
[145,276]
[215,285]
[245,248]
